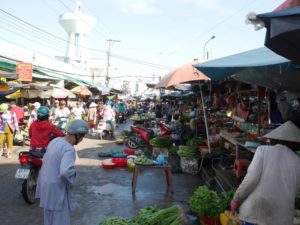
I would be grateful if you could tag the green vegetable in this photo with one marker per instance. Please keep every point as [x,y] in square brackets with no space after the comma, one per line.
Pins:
[161,142]
[194,142]
[116,221]
[151,216]
[187,136]
[143,160]
[174,150]
[225,199]
[169,216]
[187,151]
[209,203]
[144,214]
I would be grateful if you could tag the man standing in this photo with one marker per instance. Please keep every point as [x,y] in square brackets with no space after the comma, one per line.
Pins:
[57,175]
[267,194]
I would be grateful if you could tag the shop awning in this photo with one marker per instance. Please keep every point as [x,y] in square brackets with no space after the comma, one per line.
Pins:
[259,66]
[66,77]
[261,61]
[283,32]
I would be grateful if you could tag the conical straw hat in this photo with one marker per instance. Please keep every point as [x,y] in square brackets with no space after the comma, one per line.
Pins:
[286,132]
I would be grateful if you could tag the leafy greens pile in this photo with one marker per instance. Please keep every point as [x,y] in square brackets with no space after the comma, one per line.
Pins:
[206,202]
[151,216]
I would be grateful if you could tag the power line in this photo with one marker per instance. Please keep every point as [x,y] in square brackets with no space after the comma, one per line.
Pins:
[149,64]
[46,32]
[142,62]
[12,28]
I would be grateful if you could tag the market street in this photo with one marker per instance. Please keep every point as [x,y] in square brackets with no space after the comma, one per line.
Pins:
[100,193]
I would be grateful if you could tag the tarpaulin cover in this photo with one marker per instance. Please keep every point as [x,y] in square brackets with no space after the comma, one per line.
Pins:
[221,68]
[283,32]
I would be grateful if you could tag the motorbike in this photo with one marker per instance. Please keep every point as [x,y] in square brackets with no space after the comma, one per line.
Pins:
[103,129]
[142,136]
[30,164]
[60,123]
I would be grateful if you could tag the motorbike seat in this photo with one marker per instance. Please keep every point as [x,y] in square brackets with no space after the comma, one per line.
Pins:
[148,130]
[38,154]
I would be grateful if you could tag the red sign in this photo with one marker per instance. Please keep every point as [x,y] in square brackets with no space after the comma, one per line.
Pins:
[24,71]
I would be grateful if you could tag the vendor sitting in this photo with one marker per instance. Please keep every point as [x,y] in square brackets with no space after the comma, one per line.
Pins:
[193,122]
[177,129]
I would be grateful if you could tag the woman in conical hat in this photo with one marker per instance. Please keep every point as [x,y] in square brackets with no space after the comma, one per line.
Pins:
[267,194]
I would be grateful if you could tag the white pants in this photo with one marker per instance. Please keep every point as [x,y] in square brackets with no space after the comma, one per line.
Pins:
[58,217]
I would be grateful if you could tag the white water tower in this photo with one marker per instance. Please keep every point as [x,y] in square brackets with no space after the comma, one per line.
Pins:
[77,24]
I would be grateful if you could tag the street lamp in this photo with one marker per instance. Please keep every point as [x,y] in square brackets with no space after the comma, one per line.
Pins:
[204,51]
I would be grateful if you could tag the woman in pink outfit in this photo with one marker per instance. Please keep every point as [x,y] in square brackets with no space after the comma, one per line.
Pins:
[108,115]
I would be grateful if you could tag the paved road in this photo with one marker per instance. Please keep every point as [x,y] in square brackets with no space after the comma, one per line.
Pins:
[100,193]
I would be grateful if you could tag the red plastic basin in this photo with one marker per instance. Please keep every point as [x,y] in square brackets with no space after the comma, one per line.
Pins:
[108,164]
[129,151]
[120,162]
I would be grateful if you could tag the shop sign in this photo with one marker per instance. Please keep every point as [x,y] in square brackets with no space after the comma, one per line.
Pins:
[24,71]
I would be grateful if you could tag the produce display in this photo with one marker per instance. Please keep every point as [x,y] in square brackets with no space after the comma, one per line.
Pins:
[194,142]
[174,150]
[206,202]
[151,216]
[143,160]
[139,152]
[116,221]
[142,116]
[161,142]
[120,140]
[130,164]
[186,151]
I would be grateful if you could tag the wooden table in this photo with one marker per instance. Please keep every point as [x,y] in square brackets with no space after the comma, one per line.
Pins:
[237,140]
[166,169]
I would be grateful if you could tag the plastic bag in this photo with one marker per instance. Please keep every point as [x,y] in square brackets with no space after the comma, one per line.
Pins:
[227,218]
[18,137]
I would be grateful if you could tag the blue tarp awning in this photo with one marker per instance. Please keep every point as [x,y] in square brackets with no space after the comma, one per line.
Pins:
[260,60]
[283,32]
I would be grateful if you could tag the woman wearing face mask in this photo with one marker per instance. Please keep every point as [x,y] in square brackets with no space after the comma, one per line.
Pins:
[8,126]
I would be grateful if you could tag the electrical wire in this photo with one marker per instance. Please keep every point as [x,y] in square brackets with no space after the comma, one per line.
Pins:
[142,62]
[28,35]
[22,46]
[47,33]
[149,64]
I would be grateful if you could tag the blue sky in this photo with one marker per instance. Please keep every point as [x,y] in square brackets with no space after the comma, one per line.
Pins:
[164,32]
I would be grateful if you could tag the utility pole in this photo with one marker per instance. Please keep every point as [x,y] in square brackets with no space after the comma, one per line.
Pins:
[108,59]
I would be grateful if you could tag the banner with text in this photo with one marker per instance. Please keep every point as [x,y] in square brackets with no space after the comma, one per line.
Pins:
[24,71]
